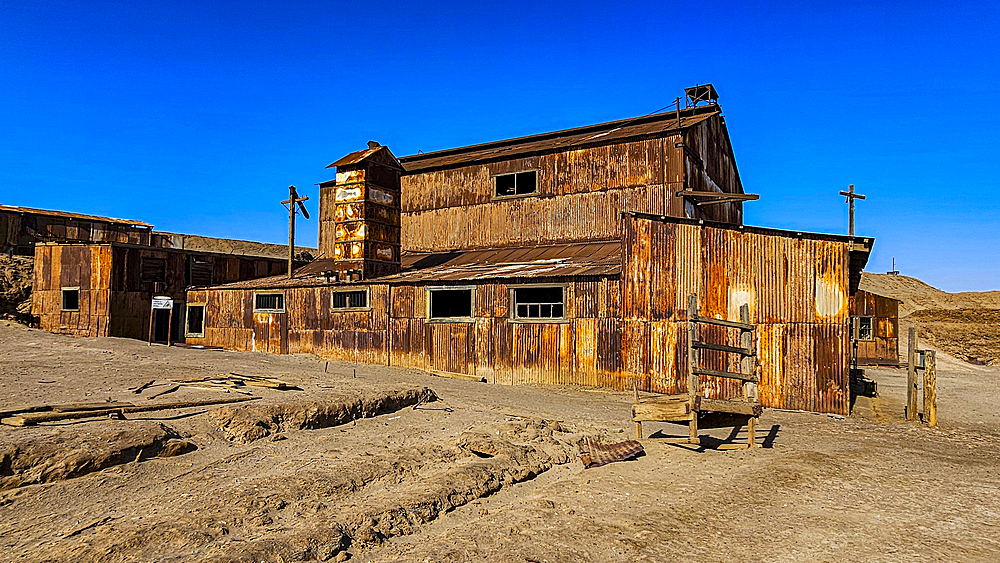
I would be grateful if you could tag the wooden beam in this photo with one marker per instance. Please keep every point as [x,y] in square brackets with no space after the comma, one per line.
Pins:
[727,374]
[723,348]
[694,362]
[695,193]
[734,407]
[662,411]
[728,324]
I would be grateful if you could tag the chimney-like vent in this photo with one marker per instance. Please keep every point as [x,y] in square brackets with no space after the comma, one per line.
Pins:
[373,145]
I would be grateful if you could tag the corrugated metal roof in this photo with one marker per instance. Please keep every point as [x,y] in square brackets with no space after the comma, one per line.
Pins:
[601,133]
[358,156]
[14,209]
[573,259]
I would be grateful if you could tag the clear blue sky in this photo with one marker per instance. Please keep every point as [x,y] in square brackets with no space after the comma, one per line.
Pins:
[196,116]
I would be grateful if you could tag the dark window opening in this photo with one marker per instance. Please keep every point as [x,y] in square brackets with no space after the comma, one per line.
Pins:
[153,270]
[450,303]
[866,329]
[538,302]
[195,320]
[71,300]
[519,183]
[355,299]
[199,271]
[269,302]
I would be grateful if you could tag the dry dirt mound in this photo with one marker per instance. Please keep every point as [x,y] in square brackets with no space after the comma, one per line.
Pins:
[917,295]
[53,454]
[15,287]
[972,335]
[245,423]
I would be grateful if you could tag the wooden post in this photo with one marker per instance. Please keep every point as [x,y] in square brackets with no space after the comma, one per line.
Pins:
[638,425]
[930,388]
[911,375]
[152,312]
[170,324]
[291,228]
[746,366]
[693,364]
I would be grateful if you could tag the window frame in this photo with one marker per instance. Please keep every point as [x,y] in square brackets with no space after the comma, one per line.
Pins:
[142,270]
[857,321]
[187,318]
[512,304]
[515,195]
[281,310]
[472,304]
[62,299]
[368,299]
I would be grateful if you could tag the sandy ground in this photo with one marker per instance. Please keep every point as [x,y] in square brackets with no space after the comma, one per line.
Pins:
[486,473]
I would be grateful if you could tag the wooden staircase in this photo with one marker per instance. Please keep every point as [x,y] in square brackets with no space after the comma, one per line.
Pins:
[692,407]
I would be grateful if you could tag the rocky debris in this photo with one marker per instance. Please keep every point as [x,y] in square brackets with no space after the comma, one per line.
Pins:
[16,274]
[51,454]
[247,423]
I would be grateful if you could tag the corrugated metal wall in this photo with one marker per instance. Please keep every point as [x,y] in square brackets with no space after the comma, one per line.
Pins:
[884,348]
[86,267]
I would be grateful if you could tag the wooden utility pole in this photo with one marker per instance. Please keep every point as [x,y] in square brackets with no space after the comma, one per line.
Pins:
[290,203]
[851,196]
[911,375]
[930,388]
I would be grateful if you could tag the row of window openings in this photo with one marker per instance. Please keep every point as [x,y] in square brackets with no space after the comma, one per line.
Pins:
[199,271]
[529,302]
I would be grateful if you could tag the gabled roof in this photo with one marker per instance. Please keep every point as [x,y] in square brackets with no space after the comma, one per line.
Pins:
[648,126]
[380,154]
[67,215]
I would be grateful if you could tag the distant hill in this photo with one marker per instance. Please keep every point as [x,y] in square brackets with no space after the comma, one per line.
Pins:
[965,325]
[917,295]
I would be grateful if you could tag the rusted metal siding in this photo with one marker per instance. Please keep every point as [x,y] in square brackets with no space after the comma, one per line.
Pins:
[114,299]
[22,228]
[883,349]
[711,166]
[85,267]
[796,289]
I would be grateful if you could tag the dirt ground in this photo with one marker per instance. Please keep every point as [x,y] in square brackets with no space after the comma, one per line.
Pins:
[360,463]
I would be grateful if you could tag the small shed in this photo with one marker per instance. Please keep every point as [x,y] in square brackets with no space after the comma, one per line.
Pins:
[875,329]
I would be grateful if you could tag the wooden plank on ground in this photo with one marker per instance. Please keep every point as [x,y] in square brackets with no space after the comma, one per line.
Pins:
[32,419]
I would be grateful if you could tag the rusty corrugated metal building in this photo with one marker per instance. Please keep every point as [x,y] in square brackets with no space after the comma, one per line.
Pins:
[23,227]
[560,258]
[875,328]
[105,289]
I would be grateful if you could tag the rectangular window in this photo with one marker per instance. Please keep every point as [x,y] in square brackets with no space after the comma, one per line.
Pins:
[519,183]
[539,302]
[199,271]
[866,328]
[268,302]
[71,299]
[153,270]
[450,303]
[195,321]
[348,300]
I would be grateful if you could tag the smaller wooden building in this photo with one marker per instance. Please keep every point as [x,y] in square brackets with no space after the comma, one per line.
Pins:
[874,329]
[23,227]
[105,289]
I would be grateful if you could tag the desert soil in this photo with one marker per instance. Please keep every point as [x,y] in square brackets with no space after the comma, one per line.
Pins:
[359,463]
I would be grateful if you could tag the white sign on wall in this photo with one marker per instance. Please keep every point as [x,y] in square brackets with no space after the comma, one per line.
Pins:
[163,302]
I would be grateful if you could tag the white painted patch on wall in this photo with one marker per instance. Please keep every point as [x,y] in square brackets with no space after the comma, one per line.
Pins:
[830,299]
[737,297]
[344,194]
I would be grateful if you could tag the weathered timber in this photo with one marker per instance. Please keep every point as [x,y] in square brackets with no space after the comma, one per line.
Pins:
[32,419]
[139,388]
[674,407]
[723,348]
[727,374]
[747,364]
[694,389]
[911,375]
[454,375]
[930,388]
[721,322]
[734,407]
